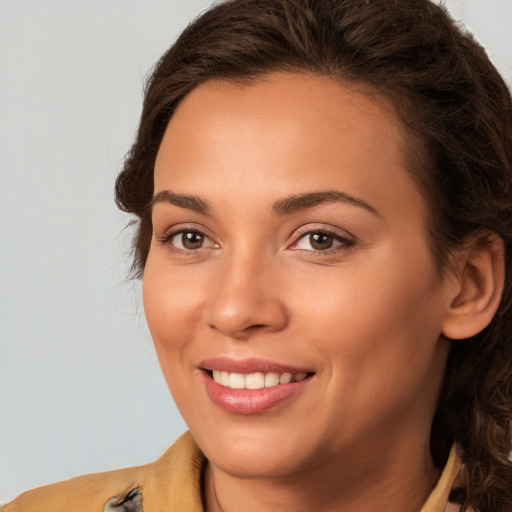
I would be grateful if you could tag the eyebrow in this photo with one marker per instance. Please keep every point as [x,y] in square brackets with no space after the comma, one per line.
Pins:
[309,200]
[281,207]
[194,203]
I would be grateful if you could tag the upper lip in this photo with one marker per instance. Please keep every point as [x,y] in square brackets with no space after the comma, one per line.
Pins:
[249,365]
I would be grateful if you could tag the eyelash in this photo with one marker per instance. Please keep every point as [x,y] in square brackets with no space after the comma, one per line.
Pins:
[344,243]
[167,238]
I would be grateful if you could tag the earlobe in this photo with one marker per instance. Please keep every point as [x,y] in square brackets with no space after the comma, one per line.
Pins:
[481,277]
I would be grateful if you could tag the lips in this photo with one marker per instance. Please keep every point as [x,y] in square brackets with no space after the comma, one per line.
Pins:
[251,386]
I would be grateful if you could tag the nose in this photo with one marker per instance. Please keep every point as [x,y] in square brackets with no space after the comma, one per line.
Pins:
[245,300]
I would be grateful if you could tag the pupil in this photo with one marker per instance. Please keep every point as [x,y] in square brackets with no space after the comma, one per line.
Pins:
[192,240]
[321,241]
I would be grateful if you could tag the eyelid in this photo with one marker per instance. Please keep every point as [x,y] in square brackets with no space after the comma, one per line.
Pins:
[173,231]
[346,239]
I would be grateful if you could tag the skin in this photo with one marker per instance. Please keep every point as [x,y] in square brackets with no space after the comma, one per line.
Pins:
[366,316]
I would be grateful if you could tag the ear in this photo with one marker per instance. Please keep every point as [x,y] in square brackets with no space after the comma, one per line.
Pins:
[480,269]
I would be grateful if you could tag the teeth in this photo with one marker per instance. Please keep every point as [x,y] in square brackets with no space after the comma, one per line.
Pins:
[285,378]
[236,381]
[258,380]
[255,381]
[271,379]
[224,378]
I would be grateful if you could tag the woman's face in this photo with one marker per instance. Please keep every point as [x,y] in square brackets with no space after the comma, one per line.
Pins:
[289,238]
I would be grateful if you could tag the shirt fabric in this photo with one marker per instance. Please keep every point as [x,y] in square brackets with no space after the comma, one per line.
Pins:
[170,484]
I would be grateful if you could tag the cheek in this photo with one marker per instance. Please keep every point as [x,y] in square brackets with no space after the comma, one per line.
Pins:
[386,316]
[380,350]
[172,308]
[172,312]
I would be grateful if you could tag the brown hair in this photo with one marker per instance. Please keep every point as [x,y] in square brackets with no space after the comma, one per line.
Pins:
[458,114]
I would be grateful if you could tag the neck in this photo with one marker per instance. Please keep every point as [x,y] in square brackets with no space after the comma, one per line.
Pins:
[399,482]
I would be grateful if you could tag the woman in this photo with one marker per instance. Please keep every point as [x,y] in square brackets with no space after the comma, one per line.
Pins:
[323,194]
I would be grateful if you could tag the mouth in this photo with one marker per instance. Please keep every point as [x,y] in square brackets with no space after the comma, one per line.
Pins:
[251,386]
[256,380]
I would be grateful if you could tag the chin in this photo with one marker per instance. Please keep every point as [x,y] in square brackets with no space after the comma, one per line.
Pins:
[253,452]
[256,464]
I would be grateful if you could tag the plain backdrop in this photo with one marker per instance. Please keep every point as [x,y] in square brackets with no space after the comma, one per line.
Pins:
[80,385]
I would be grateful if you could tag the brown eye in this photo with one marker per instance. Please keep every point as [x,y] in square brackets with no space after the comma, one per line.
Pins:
[190,240]
[318,241]
[187,240]
[321,241]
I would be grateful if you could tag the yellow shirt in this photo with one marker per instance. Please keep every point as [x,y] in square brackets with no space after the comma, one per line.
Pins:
[170,484]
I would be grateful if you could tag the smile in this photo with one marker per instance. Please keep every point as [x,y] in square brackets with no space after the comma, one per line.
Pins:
[252,386]
[257,380]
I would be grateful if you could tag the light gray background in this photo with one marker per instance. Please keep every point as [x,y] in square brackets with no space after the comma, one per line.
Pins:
[80,386]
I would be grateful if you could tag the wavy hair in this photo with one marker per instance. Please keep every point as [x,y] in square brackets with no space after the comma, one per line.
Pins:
[457,112]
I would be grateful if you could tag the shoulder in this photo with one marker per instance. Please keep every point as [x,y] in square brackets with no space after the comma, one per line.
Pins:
[79,494]
[171,481]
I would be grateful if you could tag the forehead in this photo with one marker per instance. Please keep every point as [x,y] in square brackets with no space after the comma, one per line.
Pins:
[306,130]
[287,100]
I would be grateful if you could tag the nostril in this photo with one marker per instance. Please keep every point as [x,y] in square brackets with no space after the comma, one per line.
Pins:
[245,316]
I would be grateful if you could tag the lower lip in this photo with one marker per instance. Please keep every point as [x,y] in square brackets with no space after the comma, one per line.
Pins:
[251,401]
